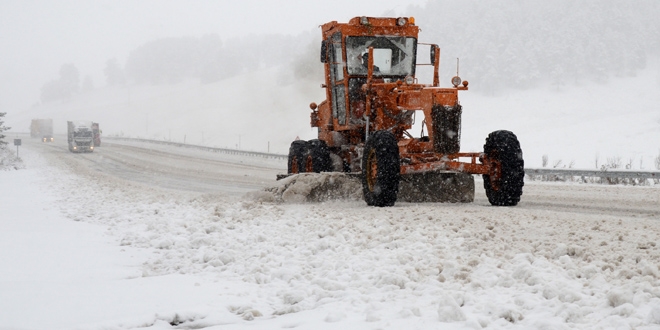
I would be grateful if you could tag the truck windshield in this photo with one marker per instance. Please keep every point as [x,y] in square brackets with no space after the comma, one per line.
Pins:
[393,56]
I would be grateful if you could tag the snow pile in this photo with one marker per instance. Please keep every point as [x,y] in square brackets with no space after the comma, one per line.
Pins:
[415,188]
[8,159]
[341,264]
[313,187]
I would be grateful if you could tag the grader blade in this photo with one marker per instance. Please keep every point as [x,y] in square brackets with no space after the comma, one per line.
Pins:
[433,187]
[317,187]
[436,187]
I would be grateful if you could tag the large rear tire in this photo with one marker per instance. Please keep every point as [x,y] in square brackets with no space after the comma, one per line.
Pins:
[381,170]
[505,182]
[319,156]
[297,155]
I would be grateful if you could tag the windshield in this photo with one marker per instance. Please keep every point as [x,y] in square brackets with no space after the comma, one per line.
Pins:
[84,133]
[393,56]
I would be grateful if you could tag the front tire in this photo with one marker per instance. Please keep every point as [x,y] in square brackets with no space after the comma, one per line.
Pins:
[297,157]
[381,170]
[319,156]
[505,182]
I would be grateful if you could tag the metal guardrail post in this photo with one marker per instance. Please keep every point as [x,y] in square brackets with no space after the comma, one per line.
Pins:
[624,174]
[627,174]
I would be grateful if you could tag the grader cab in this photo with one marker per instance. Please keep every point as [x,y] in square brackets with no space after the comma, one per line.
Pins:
[373,98]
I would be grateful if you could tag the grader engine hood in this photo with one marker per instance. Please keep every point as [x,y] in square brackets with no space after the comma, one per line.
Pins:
[392,107]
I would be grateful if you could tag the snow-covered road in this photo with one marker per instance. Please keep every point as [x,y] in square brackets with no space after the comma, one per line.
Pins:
[182,170]
[568,256]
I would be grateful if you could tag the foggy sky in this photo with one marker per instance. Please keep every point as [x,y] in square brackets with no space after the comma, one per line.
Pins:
[37,37]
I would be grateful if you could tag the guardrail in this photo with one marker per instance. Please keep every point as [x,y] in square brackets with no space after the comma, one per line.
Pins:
[212,149]
[621,174]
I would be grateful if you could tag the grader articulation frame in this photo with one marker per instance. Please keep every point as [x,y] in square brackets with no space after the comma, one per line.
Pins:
[372,95]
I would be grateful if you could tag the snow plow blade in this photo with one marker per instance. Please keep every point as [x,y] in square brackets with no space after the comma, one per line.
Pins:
[316,187]
[435,187]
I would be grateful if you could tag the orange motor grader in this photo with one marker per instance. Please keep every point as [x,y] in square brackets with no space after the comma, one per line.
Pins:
[372,96]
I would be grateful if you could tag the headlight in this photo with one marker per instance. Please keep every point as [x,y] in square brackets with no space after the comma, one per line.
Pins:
[409,80]
[456,80]
[401,21]
[364,20]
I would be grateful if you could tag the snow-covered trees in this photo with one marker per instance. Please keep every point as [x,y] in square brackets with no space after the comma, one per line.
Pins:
[209,59]
[70,77]
[501,44]
[166,60]
[113,73]
[62,88]
[87,84]
[8,159]
[520,44]
[3,128]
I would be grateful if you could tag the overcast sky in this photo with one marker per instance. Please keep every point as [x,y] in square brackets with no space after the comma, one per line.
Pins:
[37,37]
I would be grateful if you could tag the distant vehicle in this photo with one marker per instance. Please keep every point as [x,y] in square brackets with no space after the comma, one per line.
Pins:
[42,128]
[80,136]
[97,134]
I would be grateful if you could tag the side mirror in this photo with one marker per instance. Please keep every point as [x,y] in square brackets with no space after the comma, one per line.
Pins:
[324,51]
[432,54]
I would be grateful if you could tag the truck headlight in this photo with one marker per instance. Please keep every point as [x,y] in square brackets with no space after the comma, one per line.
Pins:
[401,21]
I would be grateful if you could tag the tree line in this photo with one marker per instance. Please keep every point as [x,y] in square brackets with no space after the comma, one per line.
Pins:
[501,44]
[172,60]
[521,44]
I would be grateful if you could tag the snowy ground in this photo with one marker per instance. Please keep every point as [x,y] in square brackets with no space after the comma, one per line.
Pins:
[97,251]
[167,238]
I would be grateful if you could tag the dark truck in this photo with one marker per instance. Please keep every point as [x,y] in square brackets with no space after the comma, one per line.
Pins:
[42,128]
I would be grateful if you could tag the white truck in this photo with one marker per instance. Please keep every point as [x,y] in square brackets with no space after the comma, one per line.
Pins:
[80,136]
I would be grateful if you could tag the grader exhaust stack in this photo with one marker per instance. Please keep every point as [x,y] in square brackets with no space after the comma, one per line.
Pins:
[372,95]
